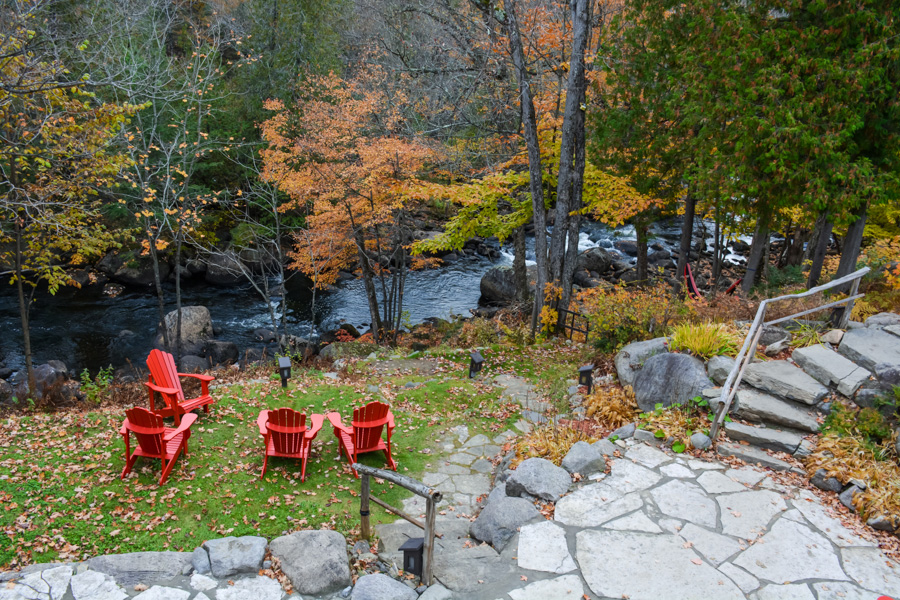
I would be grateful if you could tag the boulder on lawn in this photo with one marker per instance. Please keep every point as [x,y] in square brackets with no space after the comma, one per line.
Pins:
[315,561]
[669,379]
[232,555]
[597,260]
[48,380]
[381,587]
[540,478]
[632,357]
[585,459]
[501,518]
[138,567]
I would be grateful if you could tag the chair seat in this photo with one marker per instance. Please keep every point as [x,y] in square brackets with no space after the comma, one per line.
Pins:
[270,450]
[347,441]
[172,447]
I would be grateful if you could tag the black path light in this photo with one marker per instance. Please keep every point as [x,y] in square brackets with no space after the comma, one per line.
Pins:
[413,549]
[475,364]
[586,376]
[284,369]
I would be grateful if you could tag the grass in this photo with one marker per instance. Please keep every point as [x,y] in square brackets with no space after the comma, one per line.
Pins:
[59,472]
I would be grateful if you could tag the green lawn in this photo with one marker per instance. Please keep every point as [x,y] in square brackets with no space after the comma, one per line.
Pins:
[59,473]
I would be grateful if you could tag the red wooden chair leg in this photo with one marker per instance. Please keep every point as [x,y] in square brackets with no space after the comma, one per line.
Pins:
[167,468]
[129,463]
[390,460]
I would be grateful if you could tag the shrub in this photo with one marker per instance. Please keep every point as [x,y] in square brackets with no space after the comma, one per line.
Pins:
[866,423]
[705,340]
[478,332]
[94,389]
[613,406]
[678,421]
[551,442]
[625,314]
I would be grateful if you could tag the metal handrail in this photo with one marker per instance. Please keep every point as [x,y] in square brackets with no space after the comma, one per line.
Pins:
[745,356]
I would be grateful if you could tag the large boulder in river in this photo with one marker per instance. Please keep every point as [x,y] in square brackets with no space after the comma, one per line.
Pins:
[632,357]
[669,379]
[196,328]
[132,269]
[597,260]
[224,269]
[498,285]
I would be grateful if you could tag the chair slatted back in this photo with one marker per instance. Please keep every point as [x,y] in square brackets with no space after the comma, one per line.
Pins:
[287,428]
[368,423]
[163,371]
[148,428]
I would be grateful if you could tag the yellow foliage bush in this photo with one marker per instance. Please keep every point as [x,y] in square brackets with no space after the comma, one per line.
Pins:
[884,256]
[705,340]
[479,332]
[551,442]
[613,406]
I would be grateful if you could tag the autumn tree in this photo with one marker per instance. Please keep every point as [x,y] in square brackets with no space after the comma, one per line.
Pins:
[343,153]
[55,160]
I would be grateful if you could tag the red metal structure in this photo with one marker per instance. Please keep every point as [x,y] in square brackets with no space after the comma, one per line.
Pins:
[364,434]
[285,434]
[155,440]
[164,380]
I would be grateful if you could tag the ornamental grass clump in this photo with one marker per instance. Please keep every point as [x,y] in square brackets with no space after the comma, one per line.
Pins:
[612,405]
[705,340]
[551,442]
[859,444]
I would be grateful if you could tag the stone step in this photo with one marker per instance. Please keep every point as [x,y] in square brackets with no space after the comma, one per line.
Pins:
[868,347]
[830,368]
[753,455]
[785,380]
[758,407]
[764,437]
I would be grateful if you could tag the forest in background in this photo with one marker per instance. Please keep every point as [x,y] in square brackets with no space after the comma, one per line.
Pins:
[271,137]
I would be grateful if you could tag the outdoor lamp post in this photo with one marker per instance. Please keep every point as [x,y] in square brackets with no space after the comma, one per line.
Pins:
[412,555]
[475,364]
[586,376]
[284,368]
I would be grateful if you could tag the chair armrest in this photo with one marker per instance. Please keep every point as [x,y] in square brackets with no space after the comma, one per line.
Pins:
[124,429]
[186,422]
[261,421]
[206,378]
[335,420]
[390,422]
[162,390]
[317,421]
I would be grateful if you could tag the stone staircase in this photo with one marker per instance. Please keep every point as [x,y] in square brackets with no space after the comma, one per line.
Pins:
[781,402]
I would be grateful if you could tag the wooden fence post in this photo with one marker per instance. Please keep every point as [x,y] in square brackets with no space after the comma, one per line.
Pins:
[427,567]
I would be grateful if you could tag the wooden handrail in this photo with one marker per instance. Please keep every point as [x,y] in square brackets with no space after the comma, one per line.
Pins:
[748,350]
[432,497]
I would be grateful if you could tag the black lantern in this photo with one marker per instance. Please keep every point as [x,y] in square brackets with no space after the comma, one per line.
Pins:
[475,364]
[413,549]
[284,368]
[586,376]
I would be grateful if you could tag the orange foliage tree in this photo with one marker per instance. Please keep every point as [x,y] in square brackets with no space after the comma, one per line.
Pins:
[343,154]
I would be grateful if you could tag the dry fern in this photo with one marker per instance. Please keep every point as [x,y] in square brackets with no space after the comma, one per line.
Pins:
[551,442]
[613,406]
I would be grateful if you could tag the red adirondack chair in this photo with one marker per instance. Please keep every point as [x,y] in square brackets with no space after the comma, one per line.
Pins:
[285,434]
[155,440]
[364,435]
[164,379]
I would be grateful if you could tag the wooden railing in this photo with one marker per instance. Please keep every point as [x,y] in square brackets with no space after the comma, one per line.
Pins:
[748,350]
[431,495]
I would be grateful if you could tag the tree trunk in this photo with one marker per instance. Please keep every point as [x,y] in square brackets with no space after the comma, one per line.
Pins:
[717,252]
[759,254]
[178,348]
[640,228]
[573,123]
[852,245]
[687,236]
[794,255]
[818,246]
[160,295]
[369,285]
[529,125]
[24,308]
[519,271]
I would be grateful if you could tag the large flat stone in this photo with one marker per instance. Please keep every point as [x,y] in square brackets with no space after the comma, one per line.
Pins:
[567,587]
[785,380]
[159,592]
[46,584]
[830,368]
[871,569]
[715,547]
[93,585]
[381,587]
[840,590]
[594,505]
[254,588]
[466,569]
[141,567]
[626,476]
[315,561]
[756,406]
[636,521]
[648,456]
[685,500]
[747,514]
[666,569]
[716,482]
[764,437]
[543,547]
[869,347]
[742,578]
[791,591]
[809,506]
[752,455]
[791,552]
